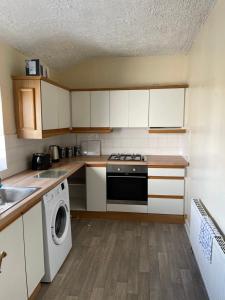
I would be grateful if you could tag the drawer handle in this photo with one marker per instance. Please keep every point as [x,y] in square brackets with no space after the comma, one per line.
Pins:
[3,254]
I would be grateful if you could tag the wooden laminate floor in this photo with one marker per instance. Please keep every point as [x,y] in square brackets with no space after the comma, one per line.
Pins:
[127,260]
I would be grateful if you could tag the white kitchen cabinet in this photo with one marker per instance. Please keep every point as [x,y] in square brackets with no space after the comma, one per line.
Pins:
[33,242]
[13,276]
[119,101]
[81,109]
[49,102]
[166,107]
[100,109]
[96,188]
[166,187]
[64,114]
[166,206]
[170,172]
[138,108]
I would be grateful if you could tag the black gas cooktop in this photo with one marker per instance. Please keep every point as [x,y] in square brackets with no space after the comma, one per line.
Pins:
[126,157]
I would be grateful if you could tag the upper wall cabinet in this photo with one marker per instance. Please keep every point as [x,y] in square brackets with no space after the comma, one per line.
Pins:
[138,108]
[100,109]
[119,109]
[166,107]
[81,109]
[42,108]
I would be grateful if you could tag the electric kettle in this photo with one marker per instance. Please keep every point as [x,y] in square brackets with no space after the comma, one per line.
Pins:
[54,152]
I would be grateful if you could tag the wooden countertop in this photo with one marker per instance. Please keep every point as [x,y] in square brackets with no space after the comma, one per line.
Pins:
[26,179]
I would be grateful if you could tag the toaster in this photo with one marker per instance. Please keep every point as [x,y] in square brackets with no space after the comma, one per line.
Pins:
[41,161]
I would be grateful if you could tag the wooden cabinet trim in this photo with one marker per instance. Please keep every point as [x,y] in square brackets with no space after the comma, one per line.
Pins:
[91,130]
[148,87]
[166,196]
[125,216]
[162,131]
[167,177]
[53,132]
[24,78]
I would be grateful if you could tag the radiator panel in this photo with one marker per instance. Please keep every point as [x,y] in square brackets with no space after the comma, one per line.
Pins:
[213,273]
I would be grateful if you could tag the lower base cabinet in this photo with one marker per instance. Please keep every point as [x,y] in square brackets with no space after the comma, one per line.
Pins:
[23,266]
[96,188]
[166,206]
[13,274]
[33,243]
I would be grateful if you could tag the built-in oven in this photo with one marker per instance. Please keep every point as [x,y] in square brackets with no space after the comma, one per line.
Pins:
[127,184]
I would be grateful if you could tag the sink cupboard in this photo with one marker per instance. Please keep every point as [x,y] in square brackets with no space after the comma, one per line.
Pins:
[44,108]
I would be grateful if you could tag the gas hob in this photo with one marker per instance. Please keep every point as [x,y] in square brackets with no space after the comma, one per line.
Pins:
[126,157]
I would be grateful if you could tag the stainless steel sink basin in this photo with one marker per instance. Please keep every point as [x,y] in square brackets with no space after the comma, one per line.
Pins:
[55,173]
[9,196]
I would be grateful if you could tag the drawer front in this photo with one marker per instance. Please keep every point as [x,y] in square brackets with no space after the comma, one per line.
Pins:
[166,187]
[166,206]
[127,208]
[166,172]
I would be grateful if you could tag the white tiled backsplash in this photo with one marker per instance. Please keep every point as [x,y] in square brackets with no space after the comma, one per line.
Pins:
[134,140]
[19,152]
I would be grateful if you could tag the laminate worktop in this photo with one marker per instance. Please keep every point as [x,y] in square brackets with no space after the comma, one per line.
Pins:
[27,179]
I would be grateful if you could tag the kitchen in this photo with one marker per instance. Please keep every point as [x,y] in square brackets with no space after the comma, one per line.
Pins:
[134,207]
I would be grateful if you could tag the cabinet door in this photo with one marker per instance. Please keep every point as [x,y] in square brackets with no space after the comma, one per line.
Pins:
[96,188]
[64,108]
[100,109]
[166,108]
[81,109]
[138,108]
[166,187]
[13,276]
[166,206]
[33,241]
[119,109]
[49,101]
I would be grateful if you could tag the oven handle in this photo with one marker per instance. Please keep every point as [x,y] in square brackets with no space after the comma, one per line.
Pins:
[125,176]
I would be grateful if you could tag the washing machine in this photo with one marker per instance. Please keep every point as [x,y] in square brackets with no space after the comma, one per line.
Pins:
[56,229]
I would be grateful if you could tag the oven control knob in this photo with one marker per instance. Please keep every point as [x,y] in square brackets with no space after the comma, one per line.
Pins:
[134,170]
[118,169]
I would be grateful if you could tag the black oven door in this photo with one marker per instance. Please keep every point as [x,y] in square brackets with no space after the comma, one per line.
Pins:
[130,189]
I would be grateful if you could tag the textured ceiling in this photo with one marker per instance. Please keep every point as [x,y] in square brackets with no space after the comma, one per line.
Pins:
[63,32]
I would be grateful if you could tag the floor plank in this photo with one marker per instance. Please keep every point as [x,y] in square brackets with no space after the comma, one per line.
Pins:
[127,260]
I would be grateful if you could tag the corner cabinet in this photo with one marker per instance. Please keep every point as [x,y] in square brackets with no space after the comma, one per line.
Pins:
[42,108]
[23,266]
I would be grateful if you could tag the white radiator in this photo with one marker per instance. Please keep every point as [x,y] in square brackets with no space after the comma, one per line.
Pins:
[213,268]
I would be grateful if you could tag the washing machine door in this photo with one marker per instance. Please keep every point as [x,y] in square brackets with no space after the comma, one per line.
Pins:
[60,222]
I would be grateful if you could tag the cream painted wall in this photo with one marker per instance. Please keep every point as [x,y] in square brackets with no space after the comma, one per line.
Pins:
[126,71]
[206,116]
[12,63]
[18,151]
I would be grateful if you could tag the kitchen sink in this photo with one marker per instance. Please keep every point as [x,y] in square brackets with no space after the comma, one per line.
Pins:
[9,196]
[55,173]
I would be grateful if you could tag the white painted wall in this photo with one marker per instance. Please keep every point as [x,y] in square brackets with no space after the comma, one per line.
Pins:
[206,116]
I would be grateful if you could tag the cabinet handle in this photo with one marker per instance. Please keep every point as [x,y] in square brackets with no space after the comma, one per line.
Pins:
[2,255]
